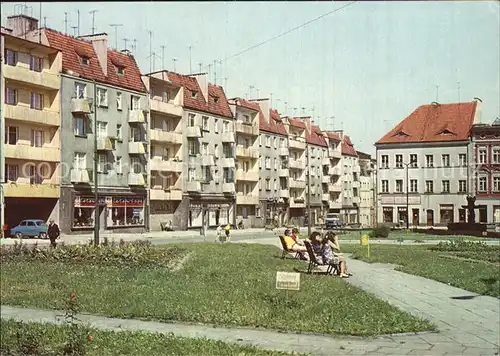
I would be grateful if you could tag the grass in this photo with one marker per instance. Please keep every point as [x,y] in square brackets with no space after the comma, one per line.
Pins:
[411,236]
[20,339]
[229,285]
[472,269]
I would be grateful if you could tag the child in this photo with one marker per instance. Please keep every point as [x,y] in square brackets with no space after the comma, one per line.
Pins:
[228,231]
[219,234]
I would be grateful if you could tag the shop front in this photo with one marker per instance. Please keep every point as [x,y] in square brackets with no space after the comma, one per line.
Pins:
[210,214]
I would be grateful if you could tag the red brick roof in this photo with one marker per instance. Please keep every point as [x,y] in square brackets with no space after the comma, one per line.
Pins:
[347,147]
[434,123]
[72,48]
[315,137]
[217,103]
[275,124]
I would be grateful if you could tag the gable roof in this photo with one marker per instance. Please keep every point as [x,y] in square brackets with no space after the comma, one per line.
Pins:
[334,136]
[216,103]
[251,105]
[73,48]
[347,147]
[434,123]
[297,123]
[275,124]
[315,137]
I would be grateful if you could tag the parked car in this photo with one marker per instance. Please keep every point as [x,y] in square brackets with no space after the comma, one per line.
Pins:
[332,221]
[30,228]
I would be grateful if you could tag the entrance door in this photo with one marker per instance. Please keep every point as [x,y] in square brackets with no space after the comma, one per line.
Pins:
[430,217]
[416,217]
[217,217]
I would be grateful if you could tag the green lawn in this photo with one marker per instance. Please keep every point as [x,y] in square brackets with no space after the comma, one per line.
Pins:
[468,267]
[229,285]
[411,236]
[22,339]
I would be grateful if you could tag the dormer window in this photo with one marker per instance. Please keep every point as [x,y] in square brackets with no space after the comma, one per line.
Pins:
[401,134]
[446,132]
[216,99]
[84,60]
[120,70]
[194,94]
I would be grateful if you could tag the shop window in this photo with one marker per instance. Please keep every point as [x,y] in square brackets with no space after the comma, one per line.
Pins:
[83,217]
[446,214]
[126,212]
[388,214]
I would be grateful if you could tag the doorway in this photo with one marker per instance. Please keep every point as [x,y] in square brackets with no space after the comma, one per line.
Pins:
[217,217]
[415,213]
[430,217]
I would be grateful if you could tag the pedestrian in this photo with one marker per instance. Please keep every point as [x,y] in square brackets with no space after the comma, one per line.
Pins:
[219,233]
[53,232]
[228,232]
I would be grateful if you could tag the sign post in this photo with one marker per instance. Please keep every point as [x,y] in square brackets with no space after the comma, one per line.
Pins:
[288,280]
[365,241]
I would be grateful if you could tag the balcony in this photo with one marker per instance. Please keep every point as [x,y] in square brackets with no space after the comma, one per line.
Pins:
[15,190]
[297,184]
[26,114]
[193,131]
[283,172]
[193,187]
[227,162]
[249,176]
[356,184]
[296,144]
[283,151]
[325,197]
[356,169]
[207,160]
[334,187]
[29,153]
[325,161]
[166,136]
[227,137]
[165,194]
[104,144]
[246,128]
[356,200]
[137,148]
[333,204]
[161,165]
[228,188]
[80,176]
[165,107]
[325,179]
[44,79]
[247,200]
[334,171]
[297,203]
[284,193]
[296,164]
[136,179]
[249,152]
[136,117]
[81,106]
[334,153]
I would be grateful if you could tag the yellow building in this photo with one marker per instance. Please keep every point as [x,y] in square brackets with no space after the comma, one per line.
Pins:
[31,125]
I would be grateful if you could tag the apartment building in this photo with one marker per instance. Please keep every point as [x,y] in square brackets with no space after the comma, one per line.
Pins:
[319,177]
[366,190]
[208,154]
[423,165]
[351,182]
[486,175]
[246,127]
[30,125]
[166,155]
[334,172]
[274,167]
[297,164]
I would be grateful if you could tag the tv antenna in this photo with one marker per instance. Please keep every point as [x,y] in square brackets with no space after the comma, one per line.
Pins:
[215,72]
[150,50]
[125,41]
[153,58]
[190,68]
[200,66]
[116,25]
[93,20]
[66,22]
[163,56]
[174,60]
[74,30]
[78,22]
[45,21]
[134,45]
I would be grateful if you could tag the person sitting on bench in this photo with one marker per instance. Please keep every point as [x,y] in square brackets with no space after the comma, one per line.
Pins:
[292,245]
[332,240]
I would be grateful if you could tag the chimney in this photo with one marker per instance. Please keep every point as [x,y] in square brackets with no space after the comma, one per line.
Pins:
[265,107]
[479,111]
[202,79]
[100,44]
[21,24]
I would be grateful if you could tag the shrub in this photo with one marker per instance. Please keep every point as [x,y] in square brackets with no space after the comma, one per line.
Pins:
[460,245]
[381,231]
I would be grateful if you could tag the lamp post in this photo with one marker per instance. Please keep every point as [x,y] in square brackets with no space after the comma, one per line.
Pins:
[407,165]
[96,166]
[308,191]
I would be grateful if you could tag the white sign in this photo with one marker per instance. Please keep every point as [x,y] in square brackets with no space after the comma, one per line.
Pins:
[288,280]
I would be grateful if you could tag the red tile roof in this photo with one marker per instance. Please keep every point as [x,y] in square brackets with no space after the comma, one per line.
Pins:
[347,147]
[434,123]
[315,137]
[216,104]
[72,48]
[334,136]
[251,105]
[297,123]
[275,124]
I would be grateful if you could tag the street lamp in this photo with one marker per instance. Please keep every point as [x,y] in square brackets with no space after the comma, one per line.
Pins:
[407,165]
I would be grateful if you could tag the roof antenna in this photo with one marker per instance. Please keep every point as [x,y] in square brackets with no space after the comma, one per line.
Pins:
[215,72]
[66,23]
[200,65]
[150,51]
[163,57]
[125,41]
[39,31]
[174,60]
[437,93]
[78,22]
[74,30]
[190,66]
[134,45]
[93,20]
[45,21]
[116,25]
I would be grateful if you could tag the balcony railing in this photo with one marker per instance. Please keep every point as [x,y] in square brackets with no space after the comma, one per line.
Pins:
[283,172]
[284,193]
[81,106]
[228,188]
[137,148]
[164,194]
[193,131]
[247,200]
[160,165]
[44,79]
[249,176]
[136,179]
[80,176]
[297,184]
[104,144]
[325,197]
[29,153]
[246,128]
[227,162]
[165,107]
[296,164]
[334,153]
[14,190]
[297,144]
[26,114]
[334,171]
[248,152]
[283,151]
[334,187]
[193,186]
[136,117]
[166,136]
[325,161]
[297,203]
[227,137]
[334,204]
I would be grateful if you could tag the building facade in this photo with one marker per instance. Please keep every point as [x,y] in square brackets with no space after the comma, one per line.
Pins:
[486,185]
[366,190]
[424,166]
[351,200]
[297,163]
[30,126]
[334,172]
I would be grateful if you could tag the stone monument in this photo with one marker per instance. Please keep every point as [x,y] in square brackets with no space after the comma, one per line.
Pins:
[470,227]
[471,213]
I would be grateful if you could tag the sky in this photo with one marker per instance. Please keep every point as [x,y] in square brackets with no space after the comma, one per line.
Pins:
[362,68]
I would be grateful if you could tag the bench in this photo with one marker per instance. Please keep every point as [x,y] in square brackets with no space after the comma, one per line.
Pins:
[313,262]
[286,250]
[165,226]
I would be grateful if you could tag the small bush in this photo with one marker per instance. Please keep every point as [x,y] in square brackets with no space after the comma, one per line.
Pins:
[461,245]
[381,231]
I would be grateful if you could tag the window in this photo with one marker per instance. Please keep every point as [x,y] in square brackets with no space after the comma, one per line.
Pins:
[385,186]
[84,60]
[388,214]
[429,159]
[36,138]
[275,163]
[462,159]
[193,146]
[36,63]
[36,101]
[135,102]
[483,185]
[225,126]
[194,94]
[275,140]
[118,165]
[268,184]
[101,163]
[399,186]
[36,175]
[205,123]
[208,174]
[102,129]
[446,213]
[10,57]
[79,128]
[12,172]
[120,70]
[119,132]
[79,160]
[102,97]
[429,186]
[191,120]
[482,155]
[11,135]
[118,101]
[496,184]
[268,141]
[204,148]
[385,161]
[191,174]
[462,186]
[216,125]
[496,155]
[446,160]
[399,161]
[80,90]
[268,163]
[413,186]
[445,185]
[413,161]
[10,96]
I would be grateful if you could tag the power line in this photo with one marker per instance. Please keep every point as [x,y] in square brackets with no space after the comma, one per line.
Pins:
[287,32]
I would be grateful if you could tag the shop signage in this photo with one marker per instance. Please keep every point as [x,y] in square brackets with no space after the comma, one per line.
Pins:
[402,208]
[81,202]
[119,202]
[387,208]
